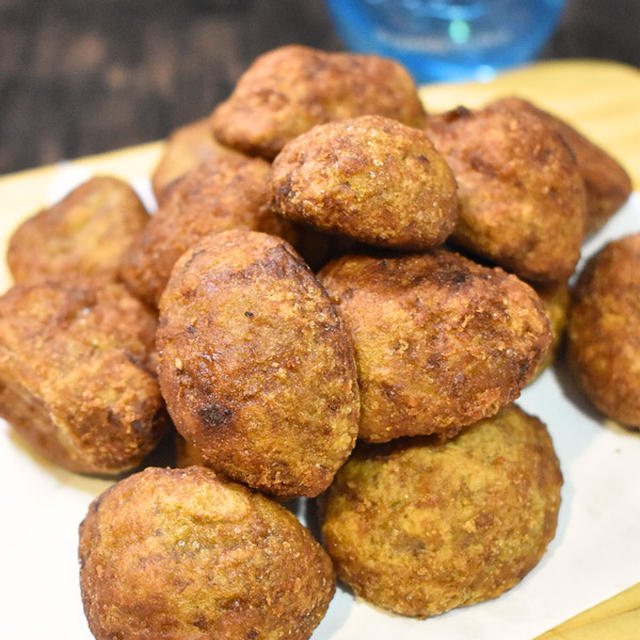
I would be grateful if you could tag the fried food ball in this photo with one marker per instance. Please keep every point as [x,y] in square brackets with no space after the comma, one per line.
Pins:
[555,299]
[223,194]
[371,179]
[440,341]
[73,373]
[604,330]
[187,148]
[521,196]
[288,90]
[180,554]
[86,233]
[256,366]
[421,527]
[606,182]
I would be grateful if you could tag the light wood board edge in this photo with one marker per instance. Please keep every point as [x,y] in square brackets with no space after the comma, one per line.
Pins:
[617,618]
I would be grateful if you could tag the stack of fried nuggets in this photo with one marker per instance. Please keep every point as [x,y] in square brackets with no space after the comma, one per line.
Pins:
[270,372]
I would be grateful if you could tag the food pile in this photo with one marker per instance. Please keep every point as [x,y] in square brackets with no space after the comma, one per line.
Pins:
[339,297]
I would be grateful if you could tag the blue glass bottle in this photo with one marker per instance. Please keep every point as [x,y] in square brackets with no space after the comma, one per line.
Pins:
[448,39]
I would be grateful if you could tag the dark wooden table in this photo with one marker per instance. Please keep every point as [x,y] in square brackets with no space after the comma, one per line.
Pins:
[83,76]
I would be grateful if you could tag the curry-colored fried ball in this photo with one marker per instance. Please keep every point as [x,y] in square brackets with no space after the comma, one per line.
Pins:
[222,194]
[420,527]
[370,178]
[440,341]
[256,366]
[288,90]
[186,148]
[180,554]
[604,330]
[555,299]
[86,233]
[522,198]
[73,374]
[606,182]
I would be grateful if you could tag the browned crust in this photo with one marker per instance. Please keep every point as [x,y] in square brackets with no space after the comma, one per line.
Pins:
[440,341]
[607,184]
[220,194]
[522,198]
[187,147]
[604,330]
[73,376]
[419,527]
[84,234]
[255,365]
[288,90]
[172,554]
[555,299]
[369,178]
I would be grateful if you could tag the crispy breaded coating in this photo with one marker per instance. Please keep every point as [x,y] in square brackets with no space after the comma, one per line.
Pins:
[522,198]
[555,299]
[73,374]
[187,147]
[440,341]
[288,90]
[84,234]
[226,193]
[371,179]
[603,331]
[420,527]
[606,182]
[180,554]
[255,365]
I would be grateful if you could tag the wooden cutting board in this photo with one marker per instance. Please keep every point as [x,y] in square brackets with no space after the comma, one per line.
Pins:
[601,99]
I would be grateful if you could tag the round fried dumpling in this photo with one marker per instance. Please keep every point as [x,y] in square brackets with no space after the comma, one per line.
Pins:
[521,195]
[420,527]
[440,341]
[604,330]
[84,234]
[255,365]
[224,193]
[73,374]
[184,555]
[606,182]
[186,149]
[371,179]
[288,90]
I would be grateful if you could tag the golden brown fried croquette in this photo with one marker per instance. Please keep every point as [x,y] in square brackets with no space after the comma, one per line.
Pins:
[255,364]
[420,527]
[85,234]
[180,554]
[606,182]
[288,90]
[604,330]
[555,299]
[369,178]
[224,194]
[440,341]
[187,148]
[522,198]
[73,376]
